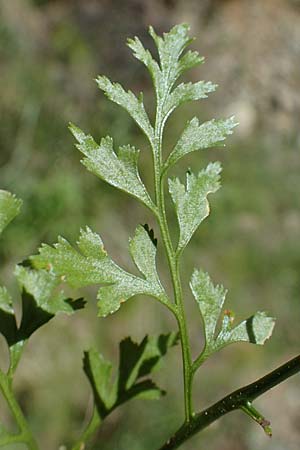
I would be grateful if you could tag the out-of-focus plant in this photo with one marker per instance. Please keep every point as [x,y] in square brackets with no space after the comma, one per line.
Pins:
[90,264]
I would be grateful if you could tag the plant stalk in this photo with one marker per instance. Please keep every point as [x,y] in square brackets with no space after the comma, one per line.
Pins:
[238,399]
[173,266]
[25,434]
[92,427]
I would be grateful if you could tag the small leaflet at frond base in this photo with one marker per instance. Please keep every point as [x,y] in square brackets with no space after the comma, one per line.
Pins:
[91,265]
[191,202]
[256,329]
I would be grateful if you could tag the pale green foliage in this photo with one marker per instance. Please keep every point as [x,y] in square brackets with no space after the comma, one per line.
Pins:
[136,362]
[146,58]
[143,252]
[43,286]
[164,76]
[186,92]
[128,101]
[119,170]
[9,208]
[6,303]
[170,48]
[256,329]
[197,137]
[191,201]
[90,264]
[41,300]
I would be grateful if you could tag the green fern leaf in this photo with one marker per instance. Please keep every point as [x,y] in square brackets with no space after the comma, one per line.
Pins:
[91,265]
[128,101]
[186,92]
[119,170]
[198,137]
[170,48]
[210,299]
[136,362]
[191,201]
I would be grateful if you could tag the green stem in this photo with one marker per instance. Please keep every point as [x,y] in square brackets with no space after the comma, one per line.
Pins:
[239,399]
[180,317]
[252,412]
[8,439]
[173,265]
[92,427]
[186,349]
[199,361]
[25,434]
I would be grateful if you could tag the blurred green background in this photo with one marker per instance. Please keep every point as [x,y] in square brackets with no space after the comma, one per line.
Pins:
[50,52]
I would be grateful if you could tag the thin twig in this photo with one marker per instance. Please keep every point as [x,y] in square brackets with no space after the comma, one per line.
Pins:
[236,400]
